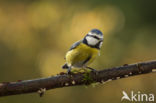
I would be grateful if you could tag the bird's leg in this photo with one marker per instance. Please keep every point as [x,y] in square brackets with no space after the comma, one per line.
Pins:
[91,69]
[84,69]
[69,70]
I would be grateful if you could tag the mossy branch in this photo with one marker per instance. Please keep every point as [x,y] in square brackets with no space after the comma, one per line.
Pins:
[65,80]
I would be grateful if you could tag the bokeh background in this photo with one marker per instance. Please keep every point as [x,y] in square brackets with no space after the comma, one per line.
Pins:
[36,34]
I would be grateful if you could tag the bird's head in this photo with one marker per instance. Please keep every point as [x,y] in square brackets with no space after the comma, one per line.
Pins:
[94,38]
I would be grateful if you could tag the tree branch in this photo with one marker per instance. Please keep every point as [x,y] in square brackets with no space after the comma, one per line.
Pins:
[65,80]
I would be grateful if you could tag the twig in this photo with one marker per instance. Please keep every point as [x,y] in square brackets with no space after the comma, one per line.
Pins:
[65,80]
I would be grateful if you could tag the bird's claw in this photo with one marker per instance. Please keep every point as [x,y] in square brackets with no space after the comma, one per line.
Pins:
[92,70]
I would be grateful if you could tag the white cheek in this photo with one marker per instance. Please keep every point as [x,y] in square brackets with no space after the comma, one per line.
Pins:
[91,40]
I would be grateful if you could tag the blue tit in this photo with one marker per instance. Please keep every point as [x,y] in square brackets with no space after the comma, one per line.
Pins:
[83,52]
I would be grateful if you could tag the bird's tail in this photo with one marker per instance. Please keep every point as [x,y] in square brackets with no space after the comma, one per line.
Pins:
[65,66]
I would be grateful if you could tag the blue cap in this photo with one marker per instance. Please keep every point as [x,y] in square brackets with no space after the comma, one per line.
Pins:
[96,31]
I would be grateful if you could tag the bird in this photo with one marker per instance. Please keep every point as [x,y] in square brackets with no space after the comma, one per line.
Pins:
[84,51]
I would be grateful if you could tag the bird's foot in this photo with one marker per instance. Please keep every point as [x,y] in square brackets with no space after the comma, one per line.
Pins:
[92,70]
[69,72]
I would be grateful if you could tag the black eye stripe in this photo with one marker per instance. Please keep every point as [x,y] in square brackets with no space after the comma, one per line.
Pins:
[97,46]
[94,37]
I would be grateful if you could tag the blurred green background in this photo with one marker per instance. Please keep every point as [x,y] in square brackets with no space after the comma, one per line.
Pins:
[36,34]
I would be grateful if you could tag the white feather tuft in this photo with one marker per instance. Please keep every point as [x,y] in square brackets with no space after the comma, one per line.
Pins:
[94,34]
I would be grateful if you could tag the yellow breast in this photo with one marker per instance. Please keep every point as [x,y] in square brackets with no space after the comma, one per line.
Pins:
[80,54]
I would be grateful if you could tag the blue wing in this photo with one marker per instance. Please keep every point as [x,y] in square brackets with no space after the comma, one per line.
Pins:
[75,45]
